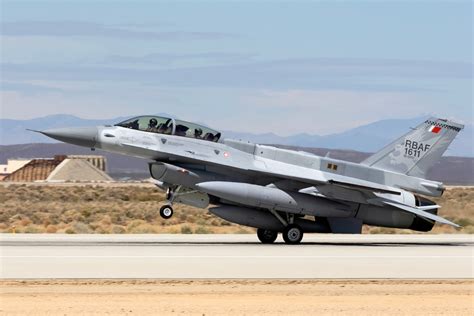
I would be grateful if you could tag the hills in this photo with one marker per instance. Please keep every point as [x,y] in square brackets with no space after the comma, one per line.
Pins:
[14,131]
[450,170]
[367,138]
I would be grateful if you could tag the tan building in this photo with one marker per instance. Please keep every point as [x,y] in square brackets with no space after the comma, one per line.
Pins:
[12,166]
[3,171]
[61,168]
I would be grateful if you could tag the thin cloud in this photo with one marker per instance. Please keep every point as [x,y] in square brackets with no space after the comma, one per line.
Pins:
[326,74]
[28,88]
[89,29]
[166,59]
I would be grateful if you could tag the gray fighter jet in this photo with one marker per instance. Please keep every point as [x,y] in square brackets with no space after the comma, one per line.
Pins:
[277,190]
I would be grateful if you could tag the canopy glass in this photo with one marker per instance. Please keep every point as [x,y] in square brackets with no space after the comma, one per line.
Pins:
[170,126]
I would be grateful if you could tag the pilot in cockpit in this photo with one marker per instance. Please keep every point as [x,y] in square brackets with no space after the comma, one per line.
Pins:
[165,128]
[198,133]
[152,126]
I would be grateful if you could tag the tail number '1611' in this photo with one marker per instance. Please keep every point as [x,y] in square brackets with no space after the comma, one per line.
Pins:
[415,149]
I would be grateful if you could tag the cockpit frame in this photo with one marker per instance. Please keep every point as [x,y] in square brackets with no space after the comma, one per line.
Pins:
[170,126]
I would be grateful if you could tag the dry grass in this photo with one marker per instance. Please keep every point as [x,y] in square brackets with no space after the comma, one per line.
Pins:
[100,209]
[109,209]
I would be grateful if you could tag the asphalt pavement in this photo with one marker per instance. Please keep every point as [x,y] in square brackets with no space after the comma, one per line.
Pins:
[235,256]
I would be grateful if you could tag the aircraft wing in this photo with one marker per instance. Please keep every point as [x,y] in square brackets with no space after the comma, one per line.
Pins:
[318,178]
[368,188]
[276,170]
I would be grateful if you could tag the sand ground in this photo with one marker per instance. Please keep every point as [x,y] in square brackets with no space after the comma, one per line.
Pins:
[237,297]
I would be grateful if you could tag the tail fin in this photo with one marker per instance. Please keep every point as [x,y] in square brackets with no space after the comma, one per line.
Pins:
[417,151]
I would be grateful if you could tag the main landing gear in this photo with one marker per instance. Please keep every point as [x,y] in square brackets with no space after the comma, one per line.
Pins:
[166,211]
[267,236]
[292,234]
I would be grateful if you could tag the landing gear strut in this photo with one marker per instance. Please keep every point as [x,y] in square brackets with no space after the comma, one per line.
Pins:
[267,236]
[166,211]
[292,234]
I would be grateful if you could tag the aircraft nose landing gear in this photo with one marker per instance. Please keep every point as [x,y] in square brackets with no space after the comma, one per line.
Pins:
[166,211]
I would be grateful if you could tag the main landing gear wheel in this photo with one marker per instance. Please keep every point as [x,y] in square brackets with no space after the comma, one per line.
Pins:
[292,234]
[166,211]
[266,236]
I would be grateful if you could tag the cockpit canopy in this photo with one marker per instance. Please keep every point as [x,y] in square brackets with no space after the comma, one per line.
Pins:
[170,126]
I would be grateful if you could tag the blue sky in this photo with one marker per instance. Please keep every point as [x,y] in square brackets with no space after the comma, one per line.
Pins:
[273,66]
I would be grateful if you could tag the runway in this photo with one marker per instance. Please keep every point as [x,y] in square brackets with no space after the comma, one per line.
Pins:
[236,256]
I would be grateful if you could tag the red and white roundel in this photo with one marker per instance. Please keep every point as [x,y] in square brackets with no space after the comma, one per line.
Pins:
[226,154]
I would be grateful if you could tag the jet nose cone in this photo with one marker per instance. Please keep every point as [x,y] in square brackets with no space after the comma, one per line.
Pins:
[81,136]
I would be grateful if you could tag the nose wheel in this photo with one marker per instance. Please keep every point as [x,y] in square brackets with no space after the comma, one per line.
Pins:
[166,211]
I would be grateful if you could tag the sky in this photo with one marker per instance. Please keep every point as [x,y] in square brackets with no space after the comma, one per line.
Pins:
[285,67]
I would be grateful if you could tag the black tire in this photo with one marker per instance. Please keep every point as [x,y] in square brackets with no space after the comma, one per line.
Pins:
[292,234]
[166,211]
[267,236]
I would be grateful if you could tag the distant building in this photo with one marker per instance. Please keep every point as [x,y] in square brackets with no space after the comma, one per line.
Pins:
[61,168]
[3,171]
[12,166]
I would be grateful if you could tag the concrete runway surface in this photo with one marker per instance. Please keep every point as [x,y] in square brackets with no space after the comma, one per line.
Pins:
[236,256]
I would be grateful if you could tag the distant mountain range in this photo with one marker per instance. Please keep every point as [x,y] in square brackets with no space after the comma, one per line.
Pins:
[366,138]
[450,170]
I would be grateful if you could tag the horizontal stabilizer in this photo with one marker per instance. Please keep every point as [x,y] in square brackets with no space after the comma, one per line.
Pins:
[421,211]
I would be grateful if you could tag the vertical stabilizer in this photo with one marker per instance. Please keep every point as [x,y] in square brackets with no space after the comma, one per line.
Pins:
[417,151]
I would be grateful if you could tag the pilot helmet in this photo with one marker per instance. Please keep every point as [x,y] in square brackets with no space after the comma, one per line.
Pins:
[153,122]
[197,132]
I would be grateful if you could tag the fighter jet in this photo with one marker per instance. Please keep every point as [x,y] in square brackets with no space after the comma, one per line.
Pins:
[277,190]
